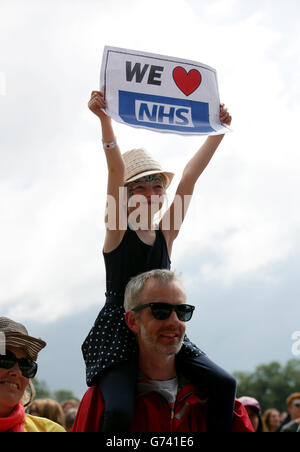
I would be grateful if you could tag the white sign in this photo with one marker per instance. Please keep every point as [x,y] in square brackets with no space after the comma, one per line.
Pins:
[161,93]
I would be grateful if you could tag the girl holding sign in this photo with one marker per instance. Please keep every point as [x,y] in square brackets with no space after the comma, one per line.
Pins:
[110,350]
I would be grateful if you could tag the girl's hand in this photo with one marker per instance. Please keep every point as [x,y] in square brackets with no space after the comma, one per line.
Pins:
[96,104]
[225,117]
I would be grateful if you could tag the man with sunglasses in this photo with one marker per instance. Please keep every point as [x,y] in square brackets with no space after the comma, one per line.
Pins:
[18,356]
[157,312]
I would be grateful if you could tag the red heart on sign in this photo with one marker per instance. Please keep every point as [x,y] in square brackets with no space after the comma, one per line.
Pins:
[187,82]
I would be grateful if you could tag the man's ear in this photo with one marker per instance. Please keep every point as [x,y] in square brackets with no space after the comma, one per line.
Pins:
[131,321]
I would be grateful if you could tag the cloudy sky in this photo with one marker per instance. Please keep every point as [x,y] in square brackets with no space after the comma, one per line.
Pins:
[239,249]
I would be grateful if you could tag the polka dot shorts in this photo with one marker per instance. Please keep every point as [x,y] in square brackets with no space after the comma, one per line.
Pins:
[109,342]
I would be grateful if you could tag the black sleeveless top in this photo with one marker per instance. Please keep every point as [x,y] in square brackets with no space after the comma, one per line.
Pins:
[131,258]
[110,341]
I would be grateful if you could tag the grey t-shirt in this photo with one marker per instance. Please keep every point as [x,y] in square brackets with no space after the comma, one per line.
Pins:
[166,388]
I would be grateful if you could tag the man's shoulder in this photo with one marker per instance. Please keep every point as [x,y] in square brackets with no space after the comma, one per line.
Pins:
[240,421]
[186,386]
[92,406]
[290,427]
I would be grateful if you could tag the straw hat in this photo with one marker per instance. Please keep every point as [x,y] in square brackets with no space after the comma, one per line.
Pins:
[17,336]
[139,163]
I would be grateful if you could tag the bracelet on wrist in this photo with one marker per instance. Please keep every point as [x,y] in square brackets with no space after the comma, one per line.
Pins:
[109,145]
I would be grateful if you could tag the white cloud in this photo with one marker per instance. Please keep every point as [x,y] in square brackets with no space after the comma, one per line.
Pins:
[220,8]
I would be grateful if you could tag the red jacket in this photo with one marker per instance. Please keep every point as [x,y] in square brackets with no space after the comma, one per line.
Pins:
[153,413]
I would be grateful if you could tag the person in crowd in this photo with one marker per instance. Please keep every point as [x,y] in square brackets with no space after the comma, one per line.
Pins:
[49,409]
[292,421]
[69,405]
[165,401]
[271,420]
[70,417]
[137,185]
[283,416]
[18,365]
[254,412]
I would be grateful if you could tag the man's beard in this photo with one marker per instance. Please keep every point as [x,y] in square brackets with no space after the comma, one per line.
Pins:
[156,344]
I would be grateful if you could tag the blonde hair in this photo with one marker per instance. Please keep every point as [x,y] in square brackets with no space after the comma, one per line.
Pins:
[266,419]
[28,395]
[74,402]
[50,409]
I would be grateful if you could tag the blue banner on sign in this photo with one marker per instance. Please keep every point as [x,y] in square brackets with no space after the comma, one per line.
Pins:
[164,113]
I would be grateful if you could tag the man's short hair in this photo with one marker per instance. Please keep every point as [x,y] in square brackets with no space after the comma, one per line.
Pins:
[291,398]
[136,285]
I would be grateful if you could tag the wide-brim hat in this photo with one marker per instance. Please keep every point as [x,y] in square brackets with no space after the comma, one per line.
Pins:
[139,163]
[17,336]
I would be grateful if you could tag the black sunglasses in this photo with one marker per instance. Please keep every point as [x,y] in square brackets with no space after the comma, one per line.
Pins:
[162,311]
[26,365]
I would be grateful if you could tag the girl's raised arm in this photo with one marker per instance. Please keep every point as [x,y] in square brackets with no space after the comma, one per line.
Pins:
[116,171]
[185,189]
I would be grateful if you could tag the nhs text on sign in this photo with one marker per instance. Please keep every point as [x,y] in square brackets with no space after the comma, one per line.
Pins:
[159,112]
[152,112]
